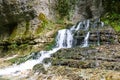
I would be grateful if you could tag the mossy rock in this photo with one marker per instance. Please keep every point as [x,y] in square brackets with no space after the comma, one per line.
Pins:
[19,60]
[42,17]
[39,68]
[75,53]
[71,63]
[13,34]
[47,60]
[39,29]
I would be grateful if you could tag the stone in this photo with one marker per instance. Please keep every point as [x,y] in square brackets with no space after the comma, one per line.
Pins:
[39,68]
[20,22]
[88,58]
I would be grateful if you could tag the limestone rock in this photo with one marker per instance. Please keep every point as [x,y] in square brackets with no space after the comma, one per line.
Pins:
[13,11]
[20,23]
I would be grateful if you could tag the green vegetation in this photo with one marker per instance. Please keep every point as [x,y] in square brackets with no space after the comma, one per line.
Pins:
[49,46]
[112,16]
[19,60]
[14,45]
[27,33]
[112,19]
[64,7]
[42,17]
[13,34]
[44,23]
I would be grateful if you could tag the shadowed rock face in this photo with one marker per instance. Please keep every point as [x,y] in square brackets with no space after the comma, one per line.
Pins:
[86,9]
[19,19]
[100,36]
[12,11]
[18,10]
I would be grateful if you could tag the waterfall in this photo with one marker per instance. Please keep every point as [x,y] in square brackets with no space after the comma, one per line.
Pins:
[64,39]
[87,24]
[83,25]
[98,38]
[85,44]
[78,26]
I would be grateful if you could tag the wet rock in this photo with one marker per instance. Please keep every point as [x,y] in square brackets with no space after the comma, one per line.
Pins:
[87,9]
[87,58]
[98,35]
[47,60]
[21,21]
[74,77]
[39,68]
[16,11]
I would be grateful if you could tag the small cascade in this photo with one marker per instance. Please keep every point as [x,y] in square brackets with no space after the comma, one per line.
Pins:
[65,39]
[102,24]
[88,24]
[85,43]
[83,25]
[78,26]
[98,38]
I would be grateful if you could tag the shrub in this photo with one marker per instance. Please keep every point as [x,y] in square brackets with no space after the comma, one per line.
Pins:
[64,7]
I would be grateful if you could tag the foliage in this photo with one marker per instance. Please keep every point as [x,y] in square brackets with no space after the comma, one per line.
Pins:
[112,19]
[14,45]
[65,6]
[112,13]
[112,6]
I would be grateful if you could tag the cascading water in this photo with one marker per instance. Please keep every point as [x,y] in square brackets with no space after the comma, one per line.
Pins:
[85,44]
[64,39]
[98,38]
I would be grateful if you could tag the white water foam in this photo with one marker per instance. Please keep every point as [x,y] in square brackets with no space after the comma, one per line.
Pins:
[85,44]
[64,40]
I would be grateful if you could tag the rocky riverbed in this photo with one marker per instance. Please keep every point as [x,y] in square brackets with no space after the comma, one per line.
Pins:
[94,63]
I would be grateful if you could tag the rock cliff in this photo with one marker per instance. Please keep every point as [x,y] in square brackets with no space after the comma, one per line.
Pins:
[25,22]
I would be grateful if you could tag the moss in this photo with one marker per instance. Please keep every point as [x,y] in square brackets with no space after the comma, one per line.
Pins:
[49,46]
[42,17]
[27,34]
[44,27]
[13,46]
[18,60]
[39,29]
[113,20]
[112,14]
[13,34]
[27,28]
[39,68]
[60,21]
[70,63]
[21,58]
[43,24]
